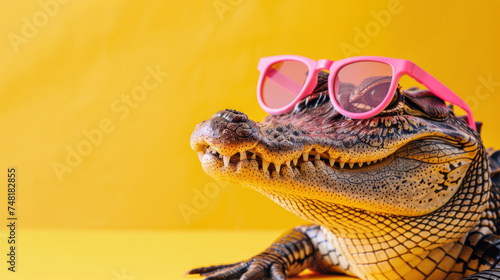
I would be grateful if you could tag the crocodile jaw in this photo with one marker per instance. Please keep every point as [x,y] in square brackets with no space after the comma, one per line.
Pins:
[394,166]
[394,185]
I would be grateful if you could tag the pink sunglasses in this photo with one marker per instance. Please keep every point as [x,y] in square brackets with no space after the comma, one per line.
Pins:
[359,87]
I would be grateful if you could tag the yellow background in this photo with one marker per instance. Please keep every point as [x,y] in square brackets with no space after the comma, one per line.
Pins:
[64,65]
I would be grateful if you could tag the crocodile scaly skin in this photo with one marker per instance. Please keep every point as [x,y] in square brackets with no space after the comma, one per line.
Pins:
[409,194]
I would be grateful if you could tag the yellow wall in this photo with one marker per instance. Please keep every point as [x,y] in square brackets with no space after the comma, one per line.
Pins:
[67,67]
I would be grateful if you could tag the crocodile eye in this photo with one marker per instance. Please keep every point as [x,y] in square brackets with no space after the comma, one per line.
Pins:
[368,95]
[377,94]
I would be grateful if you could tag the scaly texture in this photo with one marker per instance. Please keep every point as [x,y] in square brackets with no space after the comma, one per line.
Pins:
[407,194]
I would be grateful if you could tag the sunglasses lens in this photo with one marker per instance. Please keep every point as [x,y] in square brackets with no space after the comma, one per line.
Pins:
[362,86]
[282,82]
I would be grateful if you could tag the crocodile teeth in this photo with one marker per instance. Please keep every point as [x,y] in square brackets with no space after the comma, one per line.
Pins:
[243,155]
[226,160]
[265,164]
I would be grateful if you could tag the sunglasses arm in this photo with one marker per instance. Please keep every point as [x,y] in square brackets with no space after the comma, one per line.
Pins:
[283,81]
[441,91]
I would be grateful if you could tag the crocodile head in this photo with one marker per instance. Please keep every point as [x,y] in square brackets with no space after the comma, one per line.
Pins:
[415,164]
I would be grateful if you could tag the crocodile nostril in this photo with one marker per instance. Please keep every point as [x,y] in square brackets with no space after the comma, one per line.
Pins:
[232,115]
[236,112]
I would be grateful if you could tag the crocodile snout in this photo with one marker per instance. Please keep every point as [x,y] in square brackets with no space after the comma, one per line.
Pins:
[232,137]
[227,132]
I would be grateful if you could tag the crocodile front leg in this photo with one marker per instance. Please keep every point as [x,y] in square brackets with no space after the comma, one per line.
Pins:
[485,257]
[301,248]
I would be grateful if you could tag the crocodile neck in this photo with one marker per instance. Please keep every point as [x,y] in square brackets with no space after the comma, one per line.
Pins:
[408,245]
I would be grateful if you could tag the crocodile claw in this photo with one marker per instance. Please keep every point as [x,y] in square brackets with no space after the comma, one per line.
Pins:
[262,266]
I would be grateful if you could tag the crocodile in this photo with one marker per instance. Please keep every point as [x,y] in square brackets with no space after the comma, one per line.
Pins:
[410,193]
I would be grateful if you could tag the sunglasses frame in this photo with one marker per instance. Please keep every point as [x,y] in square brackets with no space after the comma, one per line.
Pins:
[400,67]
